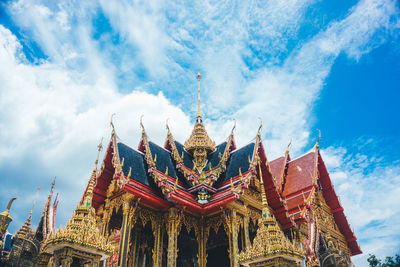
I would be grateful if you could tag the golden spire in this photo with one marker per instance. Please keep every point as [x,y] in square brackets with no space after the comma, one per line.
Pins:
[26,227]
[87,201]
[270,241]
[199,143]
[198,76]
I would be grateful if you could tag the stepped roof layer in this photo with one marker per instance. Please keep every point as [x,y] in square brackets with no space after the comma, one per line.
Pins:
[165,176]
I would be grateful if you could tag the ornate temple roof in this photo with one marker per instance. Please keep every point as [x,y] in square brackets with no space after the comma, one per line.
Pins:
[81,232]
[169,176]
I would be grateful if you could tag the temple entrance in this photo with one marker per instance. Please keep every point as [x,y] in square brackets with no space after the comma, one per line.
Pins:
[187,248]
[218,248]
[142,240]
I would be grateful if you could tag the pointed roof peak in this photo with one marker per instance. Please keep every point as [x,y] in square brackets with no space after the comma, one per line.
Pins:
[88,195]
[199,138]
[198,77]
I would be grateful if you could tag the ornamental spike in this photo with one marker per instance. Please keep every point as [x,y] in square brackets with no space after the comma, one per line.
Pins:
[166,126]
[290,143]
[319,138]
[259,128]
[129,174]
[176,184]
[112,124]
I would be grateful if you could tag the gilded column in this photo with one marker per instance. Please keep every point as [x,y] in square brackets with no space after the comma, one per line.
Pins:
[106,218]
[172,229]
[246,232]
[202,241]
[158,243]
[233,235]
[125,234]
[133,251]
[66,261]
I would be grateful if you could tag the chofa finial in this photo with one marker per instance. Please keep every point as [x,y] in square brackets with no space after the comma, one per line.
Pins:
[288,146]
[166,126]
[112,124]
[259,128]
[141,124]
[319,138]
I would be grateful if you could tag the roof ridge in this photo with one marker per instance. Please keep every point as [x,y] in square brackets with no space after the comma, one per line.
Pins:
[251,142]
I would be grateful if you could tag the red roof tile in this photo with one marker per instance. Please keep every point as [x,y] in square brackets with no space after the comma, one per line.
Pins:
[300,174]
[277,167]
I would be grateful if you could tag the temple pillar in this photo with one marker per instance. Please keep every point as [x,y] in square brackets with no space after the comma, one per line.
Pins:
[202,241]
[172,229]
[125,234]
[134,249]
[106,218]
[158,243]
[246,232]
[233,235]
[66,261]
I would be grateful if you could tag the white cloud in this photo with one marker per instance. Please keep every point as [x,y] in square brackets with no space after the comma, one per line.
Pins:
[57,111]
[59,115]
[370,200]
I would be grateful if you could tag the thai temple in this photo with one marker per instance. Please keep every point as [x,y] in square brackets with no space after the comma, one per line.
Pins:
[195,203]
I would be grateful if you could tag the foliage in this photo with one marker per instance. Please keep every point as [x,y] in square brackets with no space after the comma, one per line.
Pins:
[389,261]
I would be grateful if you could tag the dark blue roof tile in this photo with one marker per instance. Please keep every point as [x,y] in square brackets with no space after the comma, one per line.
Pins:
[164,159]
[215,157]
[135,160]
[239,159]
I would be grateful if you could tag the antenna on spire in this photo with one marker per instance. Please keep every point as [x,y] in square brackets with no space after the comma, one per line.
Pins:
[198,76]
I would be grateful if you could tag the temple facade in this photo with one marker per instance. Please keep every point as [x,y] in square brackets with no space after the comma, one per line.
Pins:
[202,204]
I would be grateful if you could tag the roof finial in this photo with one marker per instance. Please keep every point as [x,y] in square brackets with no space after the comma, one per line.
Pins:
[166,126]
[112,124]
[198,76]
[234,126]
[52,184]
[9,204]
[259,128]
[290,143]
[319,138]
[99,148]
[141,124]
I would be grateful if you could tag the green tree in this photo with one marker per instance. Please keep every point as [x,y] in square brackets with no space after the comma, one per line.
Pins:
[389,261]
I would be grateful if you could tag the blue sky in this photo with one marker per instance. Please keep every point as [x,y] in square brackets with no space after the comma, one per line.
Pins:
[66,66]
